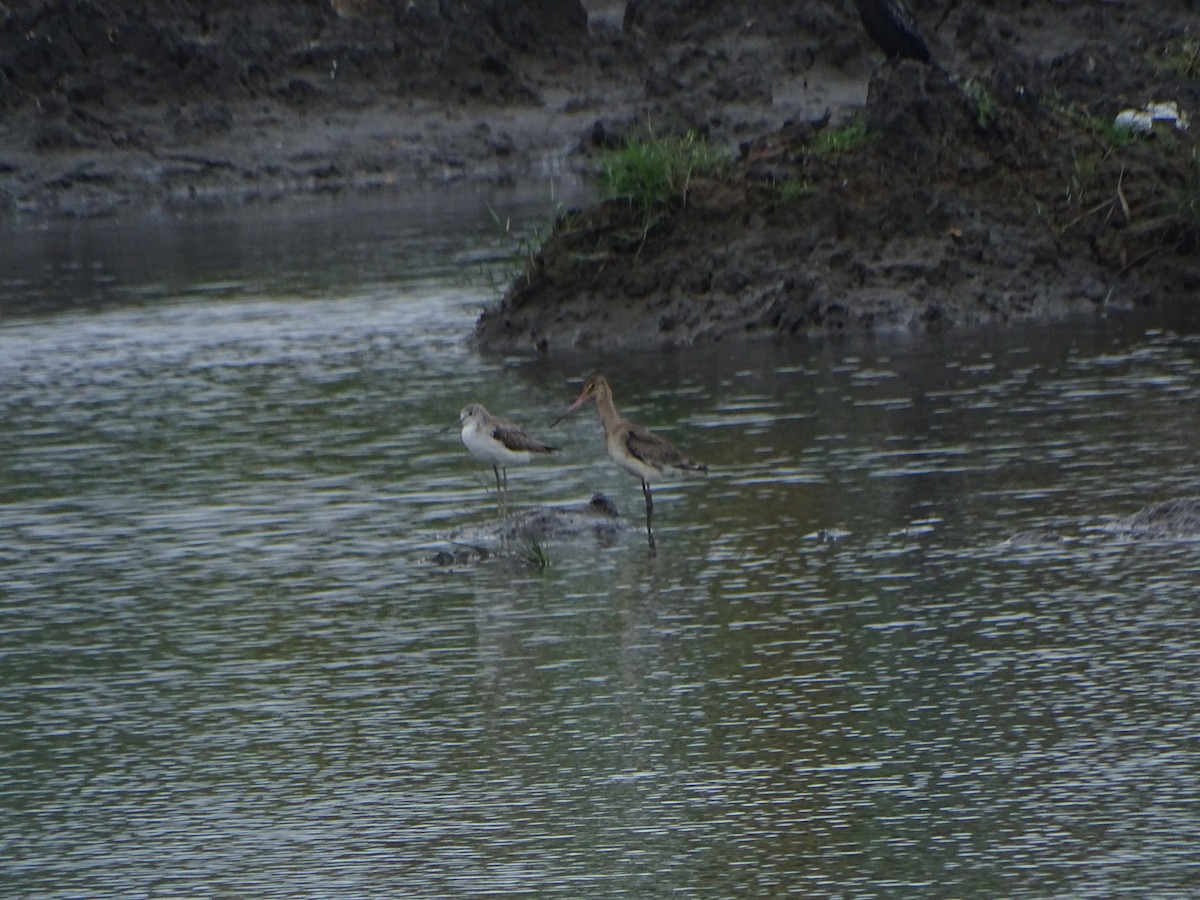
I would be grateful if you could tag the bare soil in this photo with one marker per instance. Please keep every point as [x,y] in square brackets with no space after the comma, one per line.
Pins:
[990,188]
[107,105]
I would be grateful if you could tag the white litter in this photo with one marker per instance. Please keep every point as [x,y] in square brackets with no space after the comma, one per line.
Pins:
[1142,120]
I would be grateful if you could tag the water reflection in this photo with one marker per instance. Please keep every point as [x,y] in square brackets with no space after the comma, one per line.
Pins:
[318,247]
[226,667]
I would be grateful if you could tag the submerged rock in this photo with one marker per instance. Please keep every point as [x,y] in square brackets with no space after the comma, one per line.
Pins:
[1034,537]
[1177,518]
[596,518]
[516,535]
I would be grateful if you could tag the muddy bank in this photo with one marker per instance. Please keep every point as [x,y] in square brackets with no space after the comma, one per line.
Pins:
[988,189]
[107,105]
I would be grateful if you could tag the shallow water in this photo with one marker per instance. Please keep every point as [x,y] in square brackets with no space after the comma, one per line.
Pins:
[228,667]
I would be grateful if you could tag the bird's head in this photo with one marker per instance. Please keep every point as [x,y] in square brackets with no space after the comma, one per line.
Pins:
[471,411]
[594,387]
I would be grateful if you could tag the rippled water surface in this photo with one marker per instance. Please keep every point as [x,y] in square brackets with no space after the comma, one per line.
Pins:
[228,667]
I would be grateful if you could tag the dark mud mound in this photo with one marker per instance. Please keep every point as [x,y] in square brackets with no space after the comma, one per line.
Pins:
[970,199]
[108,54]
[521,537]
[107,103]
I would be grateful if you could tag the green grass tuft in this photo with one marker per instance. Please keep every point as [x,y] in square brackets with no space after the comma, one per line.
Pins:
[652,173]
[1182,57]
[831,142]
[531,551]
[1110,136]
[986,106]
[792,189]
[1183,204]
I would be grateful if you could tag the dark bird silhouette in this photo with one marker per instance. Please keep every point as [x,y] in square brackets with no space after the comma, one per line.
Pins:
[891,25]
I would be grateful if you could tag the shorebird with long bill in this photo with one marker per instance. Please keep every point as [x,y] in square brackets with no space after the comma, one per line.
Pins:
[635,449]
[499,443]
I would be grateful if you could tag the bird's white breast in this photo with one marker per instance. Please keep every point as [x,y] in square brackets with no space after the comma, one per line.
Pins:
[487,449]
[619,454]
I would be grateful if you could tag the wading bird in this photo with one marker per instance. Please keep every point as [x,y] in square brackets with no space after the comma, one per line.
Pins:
[636,450]
[498,443]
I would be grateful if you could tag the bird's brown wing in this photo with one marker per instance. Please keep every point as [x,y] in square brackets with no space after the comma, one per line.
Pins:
[657,451]
[515,438]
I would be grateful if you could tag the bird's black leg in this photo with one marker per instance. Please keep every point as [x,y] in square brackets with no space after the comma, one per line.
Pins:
[499,490]
[649,516]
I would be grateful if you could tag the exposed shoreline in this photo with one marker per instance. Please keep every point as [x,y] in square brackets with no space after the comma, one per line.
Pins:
[953,215]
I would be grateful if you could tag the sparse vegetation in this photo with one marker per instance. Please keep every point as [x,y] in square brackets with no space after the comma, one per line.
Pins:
[1102,128]
[1098,199]
[1112,136]
[984,101]
[1182,56]
[652,172]
[1134,193]
[825,144]
[517,250]
[531,551]
[1086,176]
[831,142]
[1183,204]
[792,189]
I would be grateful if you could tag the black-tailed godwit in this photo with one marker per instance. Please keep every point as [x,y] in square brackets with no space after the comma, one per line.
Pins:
[632,447]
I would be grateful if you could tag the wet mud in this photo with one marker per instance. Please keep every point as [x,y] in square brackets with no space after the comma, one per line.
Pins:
[990,186]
